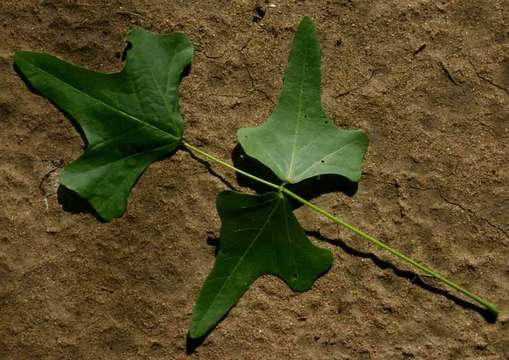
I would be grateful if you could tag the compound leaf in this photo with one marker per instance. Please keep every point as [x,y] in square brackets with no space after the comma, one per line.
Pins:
[259,235]
[129,119]
[298,141]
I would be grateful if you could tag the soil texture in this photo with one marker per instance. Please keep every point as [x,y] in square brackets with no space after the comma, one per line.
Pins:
[427,80]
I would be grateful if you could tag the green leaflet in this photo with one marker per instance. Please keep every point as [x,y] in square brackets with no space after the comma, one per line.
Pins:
[259,235]
[298,141]
[129,119]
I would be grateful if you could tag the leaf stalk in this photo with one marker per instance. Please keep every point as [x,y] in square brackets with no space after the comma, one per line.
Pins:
[490,307]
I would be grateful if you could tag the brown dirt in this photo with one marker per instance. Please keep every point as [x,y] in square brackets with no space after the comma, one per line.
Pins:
[434,185]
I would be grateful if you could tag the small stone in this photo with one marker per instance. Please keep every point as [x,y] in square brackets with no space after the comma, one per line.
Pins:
[52,230]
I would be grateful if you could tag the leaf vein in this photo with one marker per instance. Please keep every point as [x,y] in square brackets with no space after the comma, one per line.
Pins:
[299,117]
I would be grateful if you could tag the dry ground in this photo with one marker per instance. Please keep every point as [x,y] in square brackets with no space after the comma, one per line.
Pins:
[427,80]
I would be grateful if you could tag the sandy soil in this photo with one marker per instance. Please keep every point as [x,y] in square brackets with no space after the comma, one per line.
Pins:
[427,80]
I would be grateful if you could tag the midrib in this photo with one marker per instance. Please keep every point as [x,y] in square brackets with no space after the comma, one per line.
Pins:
[297,126]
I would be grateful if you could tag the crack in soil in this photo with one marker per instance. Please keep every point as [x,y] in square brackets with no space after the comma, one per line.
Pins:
[486,79]
[465,209]
[358,87]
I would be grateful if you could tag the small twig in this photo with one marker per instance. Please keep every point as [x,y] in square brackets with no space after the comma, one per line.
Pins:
[449,75]
[422,47]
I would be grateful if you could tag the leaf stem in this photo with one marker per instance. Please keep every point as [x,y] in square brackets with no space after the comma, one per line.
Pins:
[231,167]
[492,308]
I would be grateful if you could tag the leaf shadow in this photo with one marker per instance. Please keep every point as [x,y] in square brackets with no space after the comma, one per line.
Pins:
[213,241]
[192,344]
[209,168]
[73,203]
[411,276]
[308,189]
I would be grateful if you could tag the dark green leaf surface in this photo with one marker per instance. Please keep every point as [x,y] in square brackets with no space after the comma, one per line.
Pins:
[298,141]
[129,119]
[259,235]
